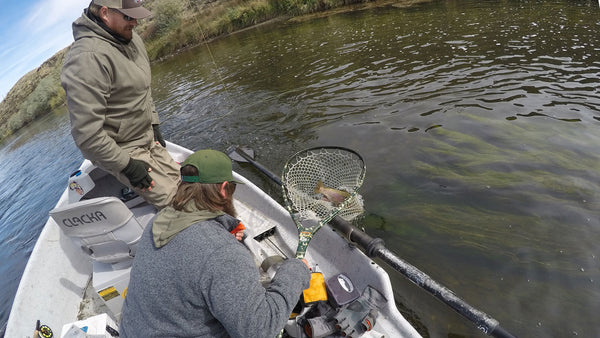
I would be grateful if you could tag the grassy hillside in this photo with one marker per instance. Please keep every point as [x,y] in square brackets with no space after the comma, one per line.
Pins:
[35,94]
[175,24]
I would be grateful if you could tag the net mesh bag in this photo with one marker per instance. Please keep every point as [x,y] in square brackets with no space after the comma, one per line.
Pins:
[319,182]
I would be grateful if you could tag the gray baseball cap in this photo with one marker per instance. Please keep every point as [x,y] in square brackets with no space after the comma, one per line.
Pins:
[131,8]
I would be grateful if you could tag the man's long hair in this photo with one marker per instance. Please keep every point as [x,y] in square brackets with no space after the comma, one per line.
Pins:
[206,196]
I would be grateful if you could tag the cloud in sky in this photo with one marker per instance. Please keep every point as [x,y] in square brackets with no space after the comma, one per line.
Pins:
[31,33]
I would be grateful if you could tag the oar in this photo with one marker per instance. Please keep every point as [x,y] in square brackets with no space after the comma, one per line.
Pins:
[375,248]
[241,155]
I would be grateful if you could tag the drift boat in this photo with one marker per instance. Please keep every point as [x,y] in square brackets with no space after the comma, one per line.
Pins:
[64,287]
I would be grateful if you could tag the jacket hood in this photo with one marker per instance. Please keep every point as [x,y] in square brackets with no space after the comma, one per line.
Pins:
[85,27]
[169,222]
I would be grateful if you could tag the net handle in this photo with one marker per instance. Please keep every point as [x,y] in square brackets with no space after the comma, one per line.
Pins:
[304,238]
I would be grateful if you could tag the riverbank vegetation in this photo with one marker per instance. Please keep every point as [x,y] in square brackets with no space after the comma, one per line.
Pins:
[175,25]
[35,94]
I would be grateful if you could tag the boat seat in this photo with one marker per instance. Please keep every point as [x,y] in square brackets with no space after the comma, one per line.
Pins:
[104,227]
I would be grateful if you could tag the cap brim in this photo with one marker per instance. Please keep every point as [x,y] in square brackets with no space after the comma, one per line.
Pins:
[136,13]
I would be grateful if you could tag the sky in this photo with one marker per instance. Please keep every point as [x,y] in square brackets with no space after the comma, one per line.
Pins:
[31,32]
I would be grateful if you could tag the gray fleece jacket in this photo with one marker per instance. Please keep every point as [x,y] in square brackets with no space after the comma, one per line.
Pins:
[204,283]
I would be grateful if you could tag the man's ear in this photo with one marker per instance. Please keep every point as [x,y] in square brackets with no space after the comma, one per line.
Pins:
[223,190]
[103,14]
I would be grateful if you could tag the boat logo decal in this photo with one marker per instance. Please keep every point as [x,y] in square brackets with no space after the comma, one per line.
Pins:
[75,186]
[346,283]
[92,217]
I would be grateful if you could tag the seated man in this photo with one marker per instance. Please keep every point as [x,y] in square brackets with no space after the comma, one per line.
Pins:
[192,278]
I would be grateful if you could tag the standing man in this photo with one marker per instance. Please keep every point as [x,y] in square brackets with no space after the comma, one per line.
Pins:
[106,76]
[192,278]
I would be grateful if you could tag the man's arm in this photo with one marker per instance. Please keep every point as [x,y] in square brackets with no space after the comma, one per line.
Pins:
[235,292]
[87,84]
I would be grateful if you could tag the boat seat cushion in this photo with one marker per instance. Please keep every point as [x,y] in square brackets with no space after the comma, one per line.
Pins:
[104,227]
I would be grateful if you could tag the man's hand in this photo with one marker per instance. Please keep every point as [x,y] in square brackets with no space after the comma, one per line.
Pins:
[138,174]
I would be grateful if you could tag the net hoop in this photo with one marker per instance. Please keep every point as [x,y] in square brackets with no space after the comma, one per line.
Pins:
[341,171]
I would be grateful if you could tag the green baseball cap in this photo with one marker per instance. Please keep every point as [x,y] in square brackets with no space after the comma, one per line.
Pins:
[132,8]
[213,167]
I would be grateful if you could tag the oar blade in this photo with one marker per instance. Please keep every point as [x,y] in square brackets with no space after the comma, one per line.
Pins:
[237,153]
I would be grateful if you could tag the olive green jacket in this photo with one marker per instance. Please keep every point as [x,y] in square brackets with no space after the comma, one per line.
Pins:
[108,92]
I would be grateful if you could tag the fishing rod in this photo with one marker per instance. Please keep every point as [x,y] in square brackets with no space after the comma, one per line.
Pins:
[375,248]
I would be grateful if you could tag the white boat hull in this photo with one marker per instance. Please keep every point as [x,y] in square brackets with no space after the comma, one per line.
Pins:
[58,273]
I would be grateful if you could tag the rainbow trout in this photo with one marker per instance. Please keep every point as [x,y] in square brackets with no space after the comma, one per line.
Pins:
[331,195]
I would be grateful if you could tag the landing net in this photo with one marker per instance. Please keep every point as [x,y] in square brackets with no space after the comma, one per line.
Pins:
[320,182]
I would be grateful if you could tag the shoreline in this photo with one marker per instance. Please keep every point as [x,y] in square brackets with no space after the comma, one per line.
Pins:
[300,18]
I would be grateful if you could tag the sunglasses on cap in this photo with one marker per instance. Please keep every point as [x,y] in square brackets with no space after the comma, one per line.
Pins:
[125,17]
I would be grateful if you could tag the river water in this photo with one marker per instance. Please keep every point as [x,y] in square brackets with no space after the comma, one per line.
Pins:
[478,121]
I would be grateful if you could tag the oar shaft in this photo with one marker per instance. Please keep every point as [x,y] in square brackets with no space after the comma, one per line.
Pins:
[484,322]
[258,166]
[374,247]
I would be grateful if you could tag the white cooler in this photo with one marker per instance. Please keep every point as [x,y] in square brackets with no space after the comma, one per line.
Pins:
[93,327]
